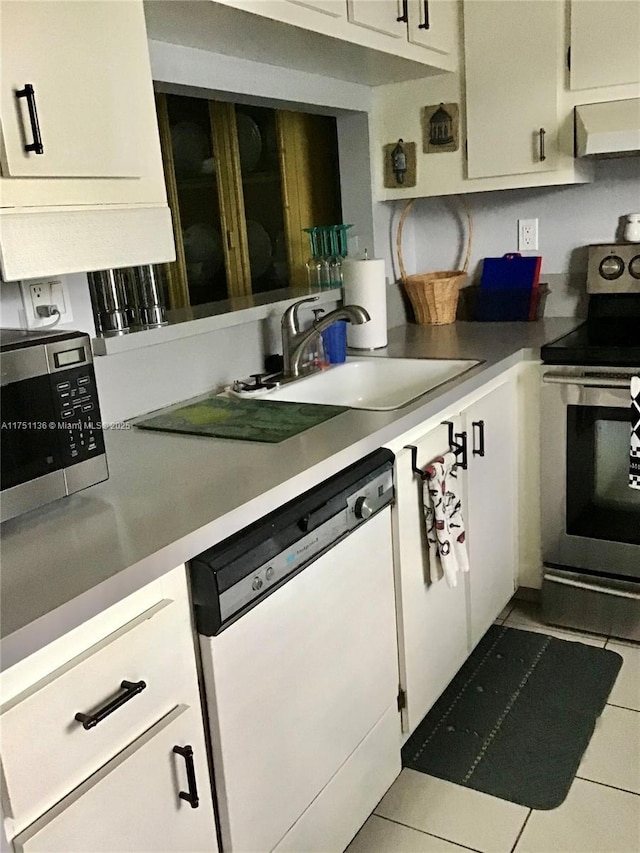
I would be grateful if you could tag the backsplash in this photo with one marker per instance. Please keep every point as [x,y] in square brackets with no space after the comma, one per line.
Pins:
[570,218]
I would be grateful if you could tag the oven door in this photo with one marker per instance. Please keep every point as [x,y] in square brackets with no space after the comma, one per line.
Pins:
[590,515]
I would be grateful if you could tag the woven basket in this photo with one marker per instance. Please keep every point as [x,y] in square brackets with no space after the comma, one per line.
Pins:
[434,295]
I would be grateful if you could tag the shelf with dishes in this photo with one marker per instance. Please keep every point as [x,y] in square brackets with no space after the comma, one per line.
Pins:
[243,181]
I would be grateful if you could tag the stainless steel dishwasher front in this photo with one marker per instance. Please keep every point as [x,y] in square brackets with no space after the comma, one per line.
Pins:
[298,643]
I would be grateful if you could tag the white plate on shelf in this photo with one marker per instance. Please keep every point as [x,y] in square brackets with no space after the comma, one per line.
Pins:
[203,251]
[190,147]
[249,142]
[260,249]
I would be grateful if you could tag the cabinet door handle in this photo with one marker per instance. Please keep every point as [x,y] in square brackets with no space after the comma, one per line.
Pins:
[479,425]
[131,689]
[29,93]
[192,796]
[541,135]
[404,17]
[425,25]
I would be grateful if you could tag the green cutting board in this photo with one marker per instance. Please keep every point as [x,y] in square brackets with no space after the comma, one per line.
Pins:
[244,420]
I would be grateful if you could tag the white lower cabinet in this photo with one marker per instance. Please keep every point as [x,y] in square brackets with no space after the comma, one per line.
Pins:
[94,731]
[431,617]
[439,625]
[153,796]
[491,506]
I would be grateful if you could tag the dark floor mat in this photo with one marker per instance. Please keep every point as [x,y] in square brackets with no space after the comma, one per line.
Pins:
[517,718]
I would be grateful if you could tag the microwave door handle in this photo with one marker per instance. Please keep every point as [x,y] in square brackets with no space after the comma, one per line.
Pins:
[593,381]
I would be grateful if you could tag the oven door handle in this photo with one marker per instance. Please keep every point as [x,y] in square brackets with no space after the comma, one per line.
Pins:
[618,593]
[593,380]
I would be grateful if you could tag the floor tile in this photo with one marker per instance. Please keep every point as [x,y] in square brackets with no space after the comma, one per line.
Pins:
[613,755]
[450,811]
[593,819]
[587,639]
[619,641]
[506,611]
[626,690]
[526,616]
[384,836]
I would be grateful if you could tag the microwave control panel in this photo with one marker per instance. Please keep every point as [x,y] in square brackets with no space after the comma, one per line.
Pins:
[78,413]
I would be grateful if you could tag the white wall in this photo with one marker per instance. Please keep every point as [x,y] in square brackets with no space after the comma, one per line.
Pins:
[570,218]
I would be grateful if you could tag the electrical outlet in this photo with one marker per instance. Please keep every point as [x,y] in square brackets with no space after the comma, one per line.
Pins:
[45,292]
[527,235]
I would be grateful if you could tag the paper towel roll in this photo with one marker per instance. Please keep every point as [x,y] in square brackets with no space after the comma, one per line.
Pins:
[364,284]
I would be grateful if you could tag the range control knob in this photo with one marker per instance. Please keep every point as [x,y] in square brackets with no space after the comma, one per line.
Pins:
[257,584]
[611,267]
[634,266]
[363,509]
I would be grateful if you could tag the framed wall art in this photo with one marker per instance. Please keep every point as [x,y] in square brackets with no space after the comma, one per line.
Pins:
[440,128]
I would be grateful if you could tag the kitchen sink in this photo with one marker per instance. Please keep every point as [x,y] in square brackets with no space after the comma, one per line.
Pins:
[374,383]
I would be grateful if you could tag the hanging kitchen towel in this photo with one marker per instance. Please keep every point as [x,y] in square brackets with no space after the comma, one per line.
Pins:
[634,450]
[443,520]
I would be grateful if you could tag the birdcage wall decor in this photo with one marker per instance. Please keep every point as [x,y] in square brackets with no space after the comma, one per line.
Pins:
[440,128]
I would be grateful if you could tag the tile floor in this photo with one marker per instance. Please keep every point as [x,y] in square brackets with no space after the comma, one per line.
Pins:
[422,814]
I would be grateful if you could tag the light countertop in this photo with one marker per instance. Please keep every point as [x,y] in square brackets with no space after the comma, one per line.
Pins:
[168,497]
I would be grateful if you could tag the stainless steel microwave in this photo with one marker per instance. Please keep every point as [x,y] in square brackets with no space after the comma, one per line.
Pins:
[51,440]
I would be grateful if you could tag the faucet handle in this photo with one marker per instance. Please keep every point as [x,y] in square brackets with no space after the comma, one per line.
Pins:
[290,316]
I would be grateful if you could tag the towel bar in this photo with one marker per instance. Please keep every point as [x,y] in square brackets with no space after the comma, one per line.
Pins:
[457,444]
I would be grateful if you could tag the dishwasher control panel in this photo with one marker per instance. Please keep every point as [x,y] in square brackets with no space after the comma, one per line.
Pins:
[230,578]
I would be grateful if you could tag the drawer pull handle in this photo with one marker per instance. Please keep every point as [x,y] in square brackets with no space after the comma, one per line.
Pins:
[29,94]
[426,25]
[192,797]
[541,134]
[480,426]
[131,689]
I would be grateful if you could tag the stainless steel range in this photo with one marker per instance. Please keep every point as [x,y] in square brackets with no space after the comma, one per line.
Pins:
[590,515]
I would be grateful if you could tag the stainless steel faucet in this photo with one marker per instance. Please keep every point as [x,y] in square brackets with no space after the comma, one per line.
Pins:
[294,341]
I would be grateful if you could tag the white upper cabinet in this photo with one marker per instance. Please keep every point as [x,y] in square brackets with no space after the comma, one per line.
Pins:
[335,8]
[432,24]
[512,53]
[79,144]
[88,72]
[384,16]
[605,43]
[424,23]
[372,42]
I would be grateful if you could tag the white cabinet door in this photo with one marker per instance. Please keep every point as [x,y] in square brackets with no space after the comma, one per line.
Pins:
[512,53]
[432,24]
[89,68]
[334,8]
[431,617]
[491,510]
[605,43]
[384,16]
[133,803]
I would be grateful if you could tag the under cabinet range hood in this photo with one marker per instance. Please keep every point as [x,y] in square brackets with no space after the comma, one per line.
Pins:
[608,129]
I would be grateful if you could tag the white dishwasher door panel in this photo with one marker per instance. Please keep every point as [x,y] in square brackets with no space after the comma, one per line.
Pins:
[297,683]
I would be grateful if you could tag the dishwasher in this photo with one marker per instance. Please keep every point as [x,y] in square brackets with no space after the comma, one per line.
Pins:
[296,623]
